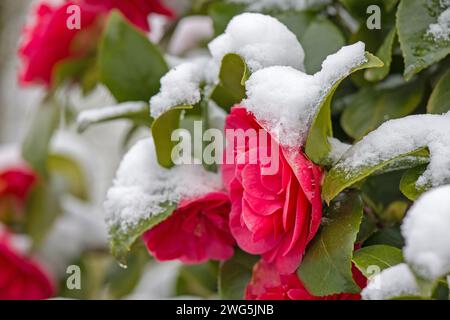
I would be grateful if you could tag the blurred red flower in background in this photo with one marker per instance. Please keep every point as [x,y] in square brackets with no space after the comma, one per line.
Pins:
[20,277]
[195,232]
[268,284]
[48,40]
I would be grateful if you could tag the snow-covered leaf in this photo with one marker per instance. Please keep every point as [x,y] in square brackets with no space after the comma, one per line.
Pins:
[376,258]
[326,266]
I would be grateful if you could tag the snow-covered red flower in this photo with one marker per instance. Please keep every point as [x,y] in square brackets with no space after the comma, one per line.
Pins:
[268,284]
[49,41]
[196,231]
[20,277]
[273,215]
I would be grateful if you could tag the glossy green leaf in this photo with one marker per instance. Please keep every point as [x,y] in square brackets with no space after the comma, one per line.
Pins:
[231,88]
[121,241]
[439,101]
[162,129]
[129,64]
[379,256]
[317,146]
[139,116]
[338,178]
[385,55]
[73,176]
[326,266]
[235,274]
[387,236]
[408,182]
[372,106]
[321,39]
[36,144]
[420,50]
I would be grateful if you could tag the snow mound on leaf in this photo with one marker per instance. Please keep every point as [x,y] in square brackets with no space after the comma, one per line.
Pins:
[401,136]
[441,29]
[427,238]
[141,186]
[182,85]
[261,40]
[261,5]
[285,101]
[396,281]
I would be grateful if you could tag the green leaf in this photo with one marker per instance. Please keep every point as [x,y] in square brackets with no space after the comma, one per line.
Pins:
[371,106]
[43,207]
[326,266]
[408,182]
[235,274]
[387,236]
[358,8]
[73,176]
[36,144]
[222,12]
[129,64]
[440,97]
[380,256]
[140,116]
[231,88]
[198,280]
[162,129]
[121,241]
[321,39]
[317,145]
[338,178]
[385,55]
[420,50]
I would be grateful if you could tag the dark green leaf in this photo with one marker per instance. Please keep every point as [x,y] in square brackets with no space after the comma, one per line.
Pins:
[198,280]
[420,50]
[317,145]
[130,65]
[380,256]
[326,266]
[387,236]
[162,129]
[372,106]
[440,97]
[408,183]
[385,55]
[231,88]
[235,274]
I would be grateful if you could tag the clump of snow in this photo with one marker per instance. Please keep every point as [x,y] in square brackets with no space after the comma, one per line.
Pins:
[401,136]
[88,117]
[141,186]
[427,238]
[182,85]
[441,29]
[338,148]
[394,282]
[285,101]
[261,40]
[261,5]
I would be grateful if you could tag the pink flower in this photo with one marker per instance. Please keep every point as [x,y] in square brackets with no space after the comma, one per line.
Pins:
[195,232]
[268,284]
[20,277]
[273,215]
[49,41]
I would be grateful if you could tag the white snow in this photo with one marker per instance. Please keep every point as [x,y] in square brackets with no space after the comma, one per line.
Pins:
[396,281]
[338,148]
[181,86]
[142,185]
[260,5]
[401,136]
[87,117]
[285,101]
[427,236]
[261,40]
[441,29]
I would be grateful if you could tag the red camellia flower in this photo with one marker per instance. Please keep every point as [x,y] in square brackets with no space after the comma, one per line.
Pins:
[268,284]
[20,277]
[49,40]
[273,215]
[195,232]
